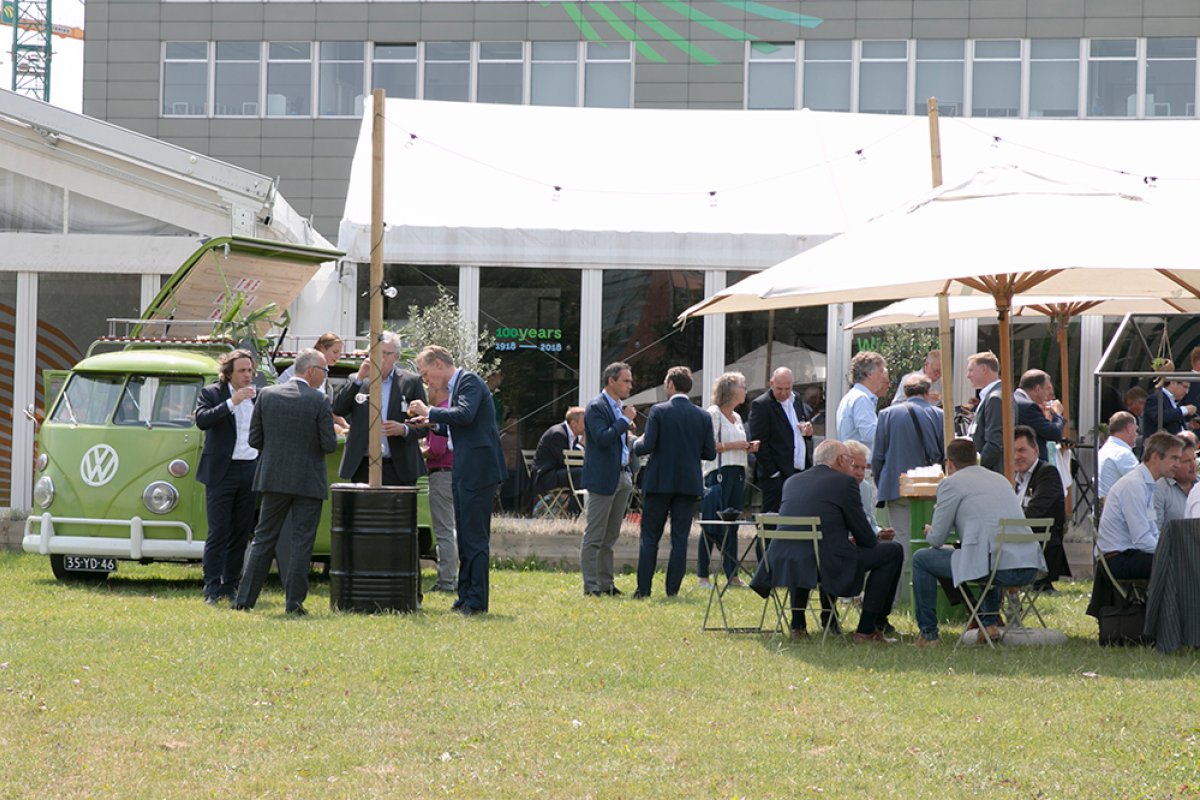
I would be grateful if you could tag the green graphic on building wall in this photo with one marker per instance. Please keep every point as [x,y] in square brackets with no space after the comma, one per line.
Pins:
[660,16]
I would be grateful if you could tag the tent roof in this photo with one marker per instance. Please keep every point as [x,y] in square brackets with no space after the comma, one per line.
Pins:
[476,184]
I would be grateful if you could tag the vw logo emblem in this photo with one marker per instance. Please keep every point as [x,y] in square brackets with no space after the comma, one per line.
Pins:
[99,465]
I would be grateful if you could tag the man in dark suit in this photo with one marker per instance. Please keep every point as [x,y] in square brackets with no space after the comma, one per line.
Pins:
[1038,409]
[549,468]
[470,422]
[1166,409]
[292,428]
[850,550]
[223,412]
[987,431]
[780,423]
[402,462]
[1041,491]
[607,476]
[678,437]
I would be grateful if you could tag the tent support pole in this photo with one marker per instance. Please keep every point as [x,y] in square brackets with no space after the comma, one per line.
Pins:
[1064,319]
[1003,309]
[375,465]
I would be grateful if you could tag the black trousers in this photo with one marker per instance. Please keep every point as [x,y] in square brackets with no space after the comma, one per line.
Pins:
[1131,565]
[881,566]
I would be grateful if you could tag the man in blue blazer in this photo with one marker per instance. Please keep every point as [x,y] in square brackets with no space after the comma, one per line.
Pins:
[1038,409]
[607,477]
[223,412]
[470,422]
[678,437]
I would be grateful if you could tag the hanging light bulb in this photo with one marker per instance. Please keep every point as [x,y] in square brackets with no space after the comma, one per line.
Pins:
[557,194]
[712,199]
[862,155]
[361,398]
[1151,181]
[389,292]
[995,142]
[412,140]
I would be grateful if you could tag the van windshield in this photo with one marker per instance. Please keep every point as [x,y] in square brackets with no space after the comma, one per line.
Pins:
[88,399]
[156,401]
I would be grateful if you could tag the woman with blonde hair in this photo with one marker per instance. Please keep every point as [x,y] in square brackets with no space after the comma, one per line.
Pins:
[725,476]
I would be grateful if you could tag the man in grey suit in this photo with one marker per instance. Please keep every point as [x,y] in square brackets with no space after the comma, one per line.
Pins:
[909,434]
[292,429]
[971,500]
[987,432]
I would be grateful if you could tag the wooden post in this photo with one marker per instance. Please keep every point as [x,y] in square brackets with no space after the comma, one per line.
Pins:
[935,161]
[1004,295]
[1064,319]
[375,415]
[770,344]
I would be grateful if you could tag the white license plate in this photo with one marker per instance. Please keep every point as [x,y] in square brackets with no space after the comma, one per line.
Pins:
[90,563]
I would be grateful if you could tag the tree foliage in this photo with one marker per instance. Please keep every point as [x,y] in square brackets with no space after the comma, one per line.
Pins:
[904,347]
[442,324]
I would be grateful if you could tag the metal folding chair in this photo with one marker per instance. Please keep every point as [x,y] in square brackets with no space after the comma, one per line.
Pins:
[1085,498]
[1012,532]
[797,529]
[573,459]
[1130,589]
[554,504]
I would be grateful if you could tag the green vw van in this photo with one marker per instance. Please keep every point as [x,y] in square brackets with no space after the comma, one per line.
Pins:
[119,447]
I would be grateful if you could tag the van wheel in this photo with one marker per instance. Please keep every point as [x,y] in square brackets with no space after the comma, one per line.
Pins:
[59,568]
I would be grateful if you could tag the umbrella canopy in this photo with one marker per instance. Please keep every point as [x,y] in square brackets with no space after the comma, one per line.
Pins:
[917,310]
[1003,232]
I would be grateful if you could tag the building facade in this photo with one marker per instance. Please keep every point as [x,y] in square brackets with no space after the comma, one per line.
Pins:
[277,87]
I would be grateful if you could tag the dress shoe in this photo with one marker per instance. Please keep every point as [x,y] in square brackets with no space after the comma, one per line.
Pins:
[612,591]
[874,637]
[640,595]
[467,611]
[924,643]
[240,606]
[299,611]
[704,584]
[992,632]
[887,629]
[797,634]
[212,600]
[594,593]
[738,582]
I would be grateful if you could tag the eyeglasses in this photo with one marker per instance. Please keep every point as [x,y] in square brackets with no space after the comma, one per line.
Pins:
[387,352]
[323,369]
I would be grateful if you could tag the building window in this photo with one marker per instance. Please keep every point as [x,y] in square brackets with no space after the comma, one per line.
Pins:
[448,71]
[883,81]
[608,75]
[500,73]
[940,74]
[237,78]
[341,79]
[827,75]
[289,79]
[1112,78]
[185,79]
[1170,77]
[996,82]
[771,76]
[1054,78]
[554,71]
[394,70]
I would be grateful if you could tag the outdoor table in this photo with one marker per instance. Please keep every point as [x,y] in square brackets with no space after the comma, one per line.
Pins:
[1173,598]
[721,584]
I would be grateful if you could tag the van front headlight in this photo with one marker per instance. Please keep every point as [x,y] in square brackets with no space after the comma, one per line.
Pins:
[160,497]
[43,492]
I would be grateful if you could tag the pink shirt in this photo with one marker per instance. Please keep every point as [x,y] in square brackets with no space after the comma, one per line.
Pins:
[440,456]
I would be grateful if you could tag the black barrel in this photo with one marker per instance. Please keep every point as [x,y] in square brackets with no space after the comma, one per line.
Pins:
[373,551]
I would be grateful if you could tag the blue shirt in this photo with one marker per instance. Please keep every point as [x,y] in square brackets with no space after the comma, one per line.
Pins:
[615,405]
[857,416]
[1128,521]
[1116,459]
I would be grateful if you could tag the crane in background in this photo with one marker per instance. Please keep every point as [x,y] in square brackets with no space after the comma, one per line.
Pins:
[33,26]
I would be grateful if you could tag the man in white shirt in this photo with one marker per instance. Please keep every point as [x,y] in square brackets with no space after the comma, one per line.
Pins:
[1128,532]
[1116,455]
[931,369]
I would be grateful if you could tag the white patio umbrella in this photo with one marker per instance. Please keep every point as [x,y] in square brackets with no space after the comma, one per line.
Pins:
[917,310]
[1003,232]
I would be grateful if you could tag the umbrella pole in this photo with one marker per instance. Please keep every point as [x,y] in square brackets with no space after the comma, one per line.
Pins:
[935,164]
[1003,307]
[1063,320]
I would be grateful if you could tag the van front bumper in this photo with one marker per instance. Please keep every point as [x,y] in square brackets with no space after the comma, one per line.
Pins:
[130,543]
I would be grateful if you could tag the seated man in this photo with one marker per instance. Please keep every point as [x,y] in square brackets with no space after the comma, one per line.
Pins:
[1116,455]
[1039,486]
[1172,491]
[971,500]
[850,550]
[1128,532]
[549,468]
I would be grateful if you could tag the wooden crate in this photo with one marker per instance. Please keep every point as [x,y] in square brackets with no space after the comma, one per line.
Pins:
[919,487]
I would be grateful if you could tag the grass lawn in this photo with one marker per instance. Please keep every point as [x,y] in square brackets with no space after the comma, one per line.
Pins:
[137,689]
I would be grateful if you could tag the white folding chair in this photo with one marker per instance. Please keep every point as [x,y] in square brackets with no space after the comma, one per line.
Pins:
[554,504]
[1012,532]
[573,460]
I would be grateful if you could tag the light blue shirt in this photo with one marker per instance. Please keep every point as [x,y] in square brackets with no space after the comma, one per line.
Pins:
[1170,501]
[1116,459]
[857,416]
[1128,521]
[615,405]
[866,490]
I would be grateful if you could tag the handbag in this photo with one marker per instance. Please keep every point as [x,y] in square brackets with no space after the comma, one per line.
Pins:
[1123,624]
